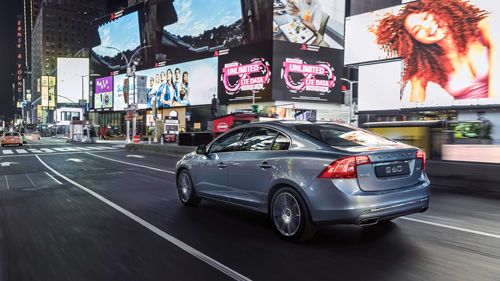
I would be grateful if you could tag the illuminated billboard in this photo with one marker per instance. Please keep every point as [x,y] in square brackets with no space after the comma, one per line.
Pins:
[307,73]
[245,73]
[445,52]
[72,75]
[316,22]
[183,84]
[103,97]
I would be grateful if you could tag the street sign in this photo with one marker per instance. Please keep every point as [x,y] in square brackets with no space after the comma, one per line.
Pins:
[133,107]
[82,102]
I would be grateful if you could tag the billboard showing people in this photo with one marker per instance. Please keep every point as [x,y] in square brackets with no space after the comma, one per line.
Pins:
[184,84]
[447,48]
[311,22]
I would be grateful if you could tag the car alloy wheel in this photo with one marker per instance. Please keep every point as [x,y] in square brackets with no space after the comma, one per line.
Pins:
[286,214]
[291,217]
[186,191]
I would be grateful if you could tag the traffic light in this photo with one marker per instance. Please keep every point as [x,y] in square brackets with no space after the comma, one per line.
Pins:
[255,108]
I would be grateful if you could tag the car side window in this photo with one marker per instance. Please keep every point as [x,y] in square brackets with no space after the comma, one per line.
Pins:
[228,142]
[282,142]
[258,139]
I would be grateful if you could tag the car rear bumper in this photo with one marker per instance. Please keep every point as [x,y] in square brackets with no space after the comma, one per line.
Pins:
[11,142]
[341,202]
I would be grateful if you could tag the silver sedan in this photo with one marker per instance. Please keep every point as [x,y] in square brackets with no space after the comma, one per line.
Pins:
[305,174]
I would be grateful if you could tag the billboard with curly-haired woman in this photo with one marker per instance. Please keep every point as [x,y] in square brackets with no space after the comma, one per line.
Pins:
[451,43]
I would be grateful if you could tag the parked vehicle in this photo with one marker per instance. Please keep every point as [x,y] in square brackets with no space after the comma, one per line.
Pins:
[305,174]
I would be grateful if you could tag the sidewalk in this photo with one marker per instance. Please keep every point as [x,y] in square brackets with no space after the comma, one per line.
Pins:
[155,147]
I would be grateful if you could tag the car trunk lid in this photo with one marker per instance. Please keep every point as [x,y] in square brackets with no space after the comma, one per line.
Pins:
[391,167]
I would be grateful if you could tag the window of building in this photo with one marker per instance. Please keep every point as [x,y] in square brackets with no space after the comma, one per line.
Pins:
[46,58]
[59,39]
[65,39]
[52,45]
[53,59]
[67,115]
[52,52]
[52,38]
[47,44]
[47,52]
[59,53]
[53,66]
[72,40]
[60,25]
[59,18]
[65,46]
[47,65]
[59,45]
[47,37]
[72,47]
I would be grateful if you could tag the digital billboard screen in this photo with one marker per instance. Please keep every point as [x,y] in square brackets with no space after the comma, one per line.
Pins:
[245,73]
[311,22]
[445,47]
[103,96]
[183,84]
[117,38]
[307,73]
[72,75]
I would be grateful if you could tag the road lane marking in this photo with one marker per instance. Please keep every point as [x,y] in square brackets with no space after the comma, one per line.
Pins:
[453,227]
[31,180]
[50,174]
[7,164]
[21,151]
[7,151]
[128,163]
[7,180]
[217,265]
[47,150]
[57,153]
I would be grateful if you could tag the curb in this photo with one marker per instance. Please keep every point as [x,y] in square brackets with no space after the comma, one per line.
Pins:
[160,149]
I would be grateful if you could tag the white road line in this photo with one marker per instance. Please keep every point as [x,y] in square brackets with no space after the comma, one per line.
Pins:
[217,265]
[7,180]
[7,151]
[50,174]
[31,180]
[47,150]
[128,163]
[56,153]
[453,227]
[21,151]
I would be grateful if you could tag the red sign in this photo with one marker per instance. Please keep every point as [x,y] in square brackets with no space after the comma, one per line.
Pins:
[137,139]
[222,126]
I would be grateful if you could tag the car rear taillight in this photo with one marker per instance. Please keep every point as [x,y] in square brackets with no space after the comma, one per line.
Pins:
[344,168]
[421,155]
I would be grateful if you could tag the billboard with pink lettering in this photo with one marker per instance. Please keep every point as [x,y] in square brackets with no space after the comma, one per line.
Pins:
[245,73]
[307,73]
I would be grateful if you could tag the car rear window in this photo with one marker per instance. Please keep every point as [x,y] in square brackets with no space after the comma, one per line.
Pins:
[11,134]
[343,135]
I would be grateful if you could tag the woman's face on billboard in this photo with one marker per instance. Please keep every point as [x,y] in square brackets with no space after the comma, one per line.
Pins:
[425,27]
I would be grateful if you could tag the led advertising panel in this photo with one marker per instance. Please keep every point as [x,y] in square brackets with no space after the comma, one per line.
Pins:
[72,75]
[184,84]
[311,22]
[118,37]
[197,27]
[45,92]
[446,50]
[307,73]
[103,97]
[245,73]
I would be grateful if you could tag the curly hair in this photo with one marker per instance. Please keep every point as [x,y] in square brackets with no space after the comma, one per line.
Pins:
[428,61]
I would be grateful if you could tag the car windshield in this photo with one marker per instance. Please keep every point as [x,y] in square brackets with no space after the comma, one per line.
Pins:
[11,134]
[342,135]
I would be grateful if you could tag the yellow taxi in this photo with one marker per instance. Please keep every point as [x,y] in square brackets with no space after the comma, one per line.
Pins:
[12,138]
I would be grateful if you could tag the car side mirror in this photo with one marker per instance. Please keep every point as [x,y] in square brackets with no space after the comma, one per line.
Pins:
[201,149]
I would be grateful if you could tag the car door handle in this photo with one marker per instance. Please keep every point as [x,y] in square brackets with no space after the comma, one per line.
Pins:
[264,165]
[221,165]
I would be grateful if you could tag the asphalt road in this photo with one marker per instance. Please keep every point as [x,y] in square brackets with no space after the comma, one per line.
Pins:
[98,212]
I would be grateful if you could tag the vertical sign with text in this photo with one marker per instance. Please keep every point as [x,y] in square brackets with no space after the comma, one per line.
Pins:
[19,60]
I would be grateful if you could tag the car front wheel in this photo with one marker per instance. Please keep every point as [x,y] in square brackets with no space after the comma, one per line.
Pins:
[291,217]
[186,190]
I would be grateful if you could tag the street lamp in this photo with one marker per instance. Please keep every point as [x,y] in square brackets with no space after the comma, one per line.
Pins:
[83,88]
[351,107]
[131,72]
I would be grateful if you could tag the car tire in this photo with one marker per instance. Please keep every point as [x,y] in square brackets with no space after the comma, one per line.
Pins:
[290,216]
[20,144]
[185,189]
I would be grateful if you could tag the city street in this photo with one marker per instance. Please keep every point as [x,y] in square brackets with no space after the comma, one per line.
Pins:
[99,212]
